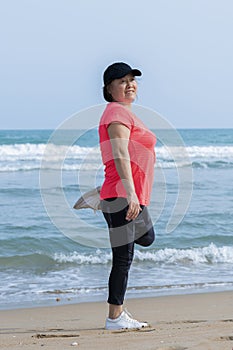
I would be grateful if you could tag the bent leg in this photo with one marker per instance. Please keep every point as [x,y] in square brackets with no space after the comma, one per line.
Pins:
[144,234]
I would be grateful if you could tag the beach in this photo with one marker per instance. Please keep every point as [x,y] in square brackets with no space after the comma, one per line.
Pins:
[195,321]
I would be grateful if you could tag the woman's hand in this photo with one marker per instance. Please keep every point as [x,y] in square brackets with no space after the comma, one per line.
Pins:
[134,207]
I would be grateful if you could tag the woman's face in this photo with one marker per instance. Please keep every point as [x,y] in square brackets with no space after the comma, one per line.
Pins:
[124,89]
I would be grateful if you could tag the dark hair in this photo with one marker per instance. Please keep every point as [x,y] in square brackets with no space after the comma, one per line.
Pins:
[107,95]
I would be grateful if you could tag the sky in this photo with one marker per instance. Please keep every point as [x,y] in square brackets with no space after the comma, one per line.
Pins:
[53,54]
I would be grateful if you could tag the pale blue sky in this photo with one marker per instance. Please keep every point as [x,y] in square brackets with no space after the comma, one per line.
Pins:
[54,52]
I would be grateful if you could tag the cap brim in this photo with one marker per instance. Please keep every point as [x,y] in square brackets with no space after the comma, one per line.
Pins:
[136,72]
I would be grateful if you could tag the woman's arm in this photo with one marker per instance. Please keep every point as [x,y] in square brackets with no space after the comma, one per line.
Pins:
[119,136]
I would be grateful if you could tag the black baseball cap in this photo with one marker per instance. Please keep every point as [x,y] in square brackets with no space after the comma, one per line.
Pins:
[119,70]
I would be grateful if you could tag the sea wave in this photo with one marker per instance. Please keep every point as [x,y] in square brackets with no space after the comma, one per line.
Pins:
[83,275]
[210,255]
[50,152]
[205,255]
[28,157]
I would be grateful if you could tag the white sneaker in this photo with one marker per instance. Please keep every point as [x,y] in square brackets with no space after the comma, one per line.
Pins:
[124,321]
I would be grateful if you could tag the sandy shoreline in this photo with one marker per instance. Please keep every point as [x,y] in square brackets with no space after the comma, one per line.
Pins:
[196,321]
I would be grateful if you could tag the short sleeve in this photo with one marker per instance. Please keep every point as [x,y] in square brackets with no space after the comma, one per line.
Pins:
[116,113]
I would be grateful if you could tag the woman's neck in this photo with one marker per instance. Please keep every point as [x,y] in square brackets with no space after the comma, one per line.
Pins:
[127,105]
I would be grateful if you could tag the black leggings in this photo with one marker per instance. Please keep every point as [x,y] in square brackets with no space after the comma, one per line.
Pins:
[123,235]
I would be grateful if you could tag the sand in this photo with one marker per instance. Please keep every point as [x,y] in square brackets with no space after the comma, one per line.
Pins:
[196,321]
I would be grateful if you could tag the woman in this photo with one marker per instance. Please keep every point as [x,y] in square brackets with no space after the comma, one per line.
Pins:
[127,149]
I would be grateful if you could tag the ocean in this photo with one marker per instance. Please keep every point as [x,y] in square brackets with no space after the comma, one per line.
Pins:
[59,255]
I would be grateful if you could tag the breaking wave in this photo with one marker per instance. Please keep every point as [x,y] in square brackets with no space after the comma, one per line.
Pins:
[28,157]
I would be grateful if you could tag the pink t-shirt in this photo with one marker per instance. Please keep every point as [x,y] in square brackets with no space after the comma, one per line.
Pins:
[141,150]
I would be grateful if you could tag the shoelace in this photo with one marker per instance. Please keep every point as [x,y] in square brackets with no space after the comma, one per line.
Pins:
[130,317]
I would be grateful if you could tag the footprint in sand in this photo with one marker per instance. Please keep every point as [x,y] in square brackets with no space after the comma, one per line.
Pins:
[230,337]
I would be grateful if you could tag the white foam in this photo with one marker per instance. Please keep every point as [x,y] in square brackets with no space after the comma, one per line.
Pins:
[98,258]
[206,255]
[22,157]
[193,256]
